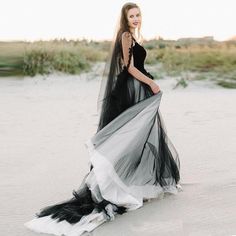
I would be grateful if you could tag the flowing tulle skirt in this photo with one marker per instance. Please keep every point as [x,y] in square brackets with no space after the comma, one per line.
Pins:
[132,159]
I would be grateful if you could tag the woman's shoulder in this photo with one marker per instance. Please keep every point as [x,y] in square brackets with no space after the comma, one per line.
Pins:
[126,36]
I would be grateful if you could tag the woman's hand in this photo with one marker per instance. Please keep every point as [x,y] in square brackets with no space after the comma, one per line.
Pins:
[154,87]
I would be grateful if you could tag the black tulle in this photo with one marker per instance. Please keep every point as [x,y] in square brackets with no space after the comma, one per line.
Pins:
[80,205]
[164,159]
[120,91]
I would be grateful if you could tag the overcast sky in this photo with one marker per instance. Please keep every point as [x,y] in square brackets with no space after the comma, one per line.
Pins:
[73,19]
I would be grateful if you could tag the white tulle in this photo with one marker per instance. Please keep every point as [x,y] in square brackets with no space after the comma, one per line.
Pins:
[50,226]
[114,190]
[105,183]
[111,188]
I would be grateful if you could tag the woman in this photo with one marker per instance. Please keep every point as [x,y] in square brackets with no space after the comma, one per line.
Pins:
[132,160]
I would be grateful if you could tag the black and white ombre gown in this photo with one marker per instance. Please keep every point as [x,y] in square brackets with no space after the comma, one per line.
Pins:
[131,157]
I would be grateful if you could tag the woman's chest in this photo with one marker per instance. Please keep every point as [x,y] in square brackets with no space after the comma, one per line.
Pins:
[139,53]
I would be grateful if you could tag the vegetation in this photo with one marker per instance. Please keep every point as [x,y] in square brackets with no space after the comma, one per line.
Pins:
[44,57]
[202,57]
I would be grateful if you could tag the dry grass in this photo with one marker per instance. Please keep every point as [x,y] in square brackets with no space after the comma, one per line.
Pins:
[74,57]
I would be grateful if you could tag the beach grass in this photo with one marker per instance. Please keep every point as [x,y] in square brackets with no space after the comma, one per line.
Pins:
[204,59]
[174,58]
[44,57]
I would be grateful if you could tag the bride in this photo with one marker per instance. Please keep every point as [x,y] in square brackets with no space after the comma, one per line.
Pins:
[132,159]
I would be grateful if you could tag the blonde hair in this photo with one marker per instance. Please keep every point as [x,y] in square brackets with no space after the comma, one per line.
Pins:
[123,23]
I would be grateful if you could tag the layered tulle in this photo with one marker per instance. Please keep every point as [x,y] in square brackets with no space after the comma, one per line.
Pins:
[132,159]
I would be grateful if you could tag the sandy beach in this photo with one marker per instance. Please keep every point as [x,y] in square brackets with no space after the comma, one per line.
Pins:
[45,121]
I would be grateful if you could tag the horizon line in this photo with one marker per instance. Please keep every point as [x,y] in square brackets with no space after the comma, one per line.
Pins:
[233,37]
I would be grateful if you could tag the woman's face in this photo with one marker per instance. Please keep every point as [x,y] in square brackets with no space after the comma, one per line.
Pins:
[134,17]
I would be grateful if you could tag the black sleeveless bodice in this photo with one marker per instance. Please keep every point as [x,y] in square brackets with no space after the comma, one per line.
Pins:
[139,55]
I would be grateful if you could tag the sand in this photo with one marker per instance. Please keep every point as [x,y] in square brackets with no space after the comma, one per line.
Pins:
[45,121]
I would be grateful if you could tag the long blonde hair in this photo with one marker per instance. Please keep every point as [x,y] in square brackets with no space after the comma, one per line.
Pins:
[123,21]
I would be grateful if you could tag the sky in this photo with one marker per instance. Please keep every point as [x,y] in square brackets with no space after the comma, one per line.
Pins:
[78,19]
